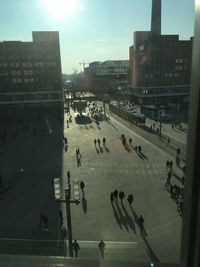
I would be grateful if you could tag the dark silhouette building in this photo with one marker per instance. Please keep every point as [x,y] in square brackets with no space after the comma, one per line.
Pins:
[30,73]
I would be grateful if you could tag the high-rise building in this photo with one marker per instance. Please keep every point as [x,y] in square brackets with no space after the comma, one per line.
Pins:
[159,65]
[30,73]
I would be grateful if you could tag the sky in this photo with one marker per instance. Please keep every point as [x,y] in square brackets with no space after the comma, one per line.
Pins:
[92,30]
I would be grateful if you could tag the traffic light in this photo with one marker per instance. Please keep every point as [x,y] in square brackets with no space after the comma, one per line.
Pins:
[57,188]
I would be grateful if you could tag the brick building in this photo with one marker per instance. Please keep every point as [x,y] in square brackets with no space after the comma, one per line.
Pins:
[159,65]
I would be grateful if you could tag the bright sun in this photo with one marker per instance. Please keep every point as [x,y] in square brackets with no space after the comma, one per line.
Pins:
[61,9]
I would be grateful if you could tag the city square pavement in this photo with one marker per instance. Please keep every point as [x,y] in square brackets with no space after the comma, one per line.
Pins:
[30,158]
[30,162]
[104,169]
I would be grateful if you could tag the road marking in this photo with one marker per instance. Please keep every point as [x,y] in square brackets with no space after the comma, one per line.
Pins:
[84,243]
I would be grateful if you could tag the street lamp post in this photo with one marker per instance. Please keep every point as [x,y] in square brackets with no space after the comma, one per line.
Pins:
[67,201]
[69,223]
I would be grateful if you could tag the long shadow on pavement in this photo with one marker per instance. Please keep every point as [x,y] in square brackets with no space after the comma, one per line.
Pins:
[112,125]
[116,216]
[107,149]
[149,250]
[121,216]
[84,204]
[130,221]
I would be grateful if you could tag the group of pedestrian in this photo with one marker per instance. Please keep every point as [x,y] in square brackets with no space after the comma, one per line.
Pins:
[115,194]
[176,192]
[169,165]
[98,141]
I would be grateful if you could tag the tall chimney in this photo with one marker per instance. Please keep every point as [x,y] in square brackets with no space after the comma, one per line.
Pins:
[156,17]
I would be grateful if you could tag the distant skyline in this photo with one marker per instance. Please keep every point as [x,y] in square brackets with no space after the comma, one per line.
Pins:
[92,30]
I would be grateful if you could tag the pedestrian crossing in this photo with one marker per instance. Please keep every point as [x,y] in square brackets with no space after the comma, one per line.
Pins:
[140,172]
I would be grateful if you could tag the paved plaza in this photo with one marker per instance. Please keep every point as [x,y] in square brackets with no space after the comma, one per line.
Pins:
[30,162]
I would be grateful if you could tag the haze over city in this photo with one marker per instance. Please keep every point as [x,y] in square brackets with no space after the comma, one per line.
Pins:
[91,30]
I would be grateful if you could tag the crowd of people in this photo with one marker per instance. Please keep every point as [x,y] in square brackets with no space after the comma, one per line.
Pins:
[176,192]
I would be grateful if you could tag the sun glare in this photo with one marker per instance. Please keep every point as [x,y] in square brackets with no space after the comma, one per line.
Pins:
[61,9]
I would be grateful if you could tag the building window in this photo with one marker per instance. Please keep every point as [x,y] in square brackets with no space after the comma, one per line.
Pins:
[12,65]
[13,72]
[14,80]
[24,64]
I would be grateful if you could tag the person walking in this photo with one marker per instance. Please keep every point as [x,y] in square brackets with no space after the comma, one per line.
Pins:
[121,195]
[82,186]
[104,141]
[115,193]
[130,199]
[130,141]
[98,141]
[95,142]
[101,247]
[168,141]
[76,247]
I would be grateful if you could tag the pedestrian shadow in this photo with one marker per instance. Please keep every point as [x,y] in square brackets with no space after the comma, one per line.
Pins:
[127,148]
[121,216]
[66,148]
[78,161]
[116,216]
[101,149]
[139,155]
[106,149]
[149,251]
[135,216]
[180,179]
[97,150]
[143,155]
[84,204]
[130,221]
[112,125]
